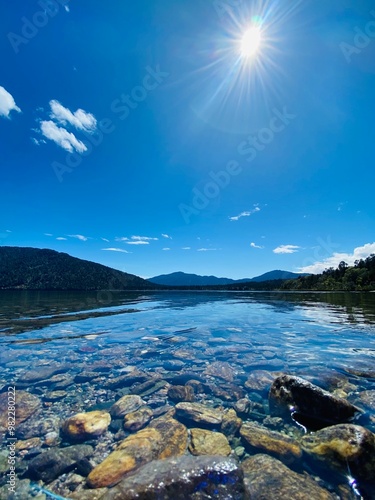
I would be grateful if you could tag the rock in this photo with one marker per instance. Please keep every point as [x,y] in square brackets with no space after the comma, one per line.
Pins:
[266,477]
[148,387]
[202,478]
[242,406]
[126,404]
[86,425]
[199,413]
[222,370]
[26,405]
[205,442]
[367,399]
[84,376]
[55,395]
[259,380]
[274,442]
[135,420]
[173,365]
[55,462]
[227,391]
[344,446]
[40,373]
[163,438]
[178,393]
[28,444]
[310,405]
[126,380]
[37,426]
[230,424]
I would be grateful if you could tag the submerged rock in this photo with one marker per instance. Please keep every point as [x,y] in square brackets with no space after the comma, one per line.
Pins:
[135,420]
[295,395]
[268,478]
[165,437]
[55,462]
[205,442]
[230,424]
[199,413]
[178,393]
[259,380]
[126,404]
[344,446]
[221,369]
[86,425]
[274,442]
[26,405]
[38,426]
[202,478]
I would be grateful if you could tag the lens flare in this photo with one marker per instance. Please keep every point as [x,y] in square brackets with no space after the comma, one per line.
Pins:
[251,42]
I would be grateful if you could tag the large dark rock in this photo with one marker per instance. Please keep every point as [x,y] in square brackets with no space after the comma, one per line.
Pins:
[53,463]
[308,403]
[181,478]
[268,478]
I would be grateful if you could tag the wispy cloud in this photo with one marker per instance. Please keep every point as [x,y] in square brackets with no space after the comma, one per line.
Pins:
[186,248]
[78,237]
[206,249]
[115,250]
[79,119]
[105,239]
[121,238]
[167,236]
[286,249]
[61,238]
[245,214]
[144,238]
[166,249]
[7,103]
[138,242]
[335,259]
[253,245]
[60,136]
[48,234]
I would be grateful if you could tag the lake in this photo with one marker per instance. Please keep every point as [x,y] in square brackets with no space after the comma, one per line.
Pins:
[79,352]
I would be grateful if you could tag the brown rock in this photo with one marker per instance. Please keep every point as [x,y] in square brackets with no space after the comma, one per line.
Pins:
[221,369]
[259,380]
[126,404]
[178,393]
[205,442]
[274,442]
[86,425]
[268,478]
[344,446]
[199,413]
[135,420]
[230,424]
[26,405]
[308,401]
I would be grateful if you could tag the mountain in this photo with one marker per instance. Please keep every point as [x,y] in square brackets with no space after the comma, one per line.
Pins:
[183,279]
[42,269]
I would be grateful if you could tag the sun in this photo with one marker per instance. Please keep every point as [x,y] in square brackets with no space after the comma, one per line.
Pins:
[251,42]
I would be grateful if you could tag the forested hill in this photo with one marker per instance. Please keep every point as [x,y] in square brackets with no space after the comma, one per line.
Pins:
[37,269]
[360,277]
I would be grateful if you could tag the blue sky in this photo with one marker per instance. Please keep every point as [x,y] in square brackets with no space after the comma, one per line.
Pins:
[144,136]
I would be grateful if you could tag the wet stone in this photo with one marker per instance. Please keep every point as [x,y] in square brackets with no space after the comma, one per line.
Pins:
[86,425]
[148,387]
[55,462]
[134,421]
[38,425]
[55,395]
[83,377]
[173,365]
[344,446]
[199,413]
[26,405]
[366,399]
[28,444]
[204,442]
[230,424]
[126,404]
[268,478]
[274,442]
[127,380]
[41,373]
[178,393]
[242,406]
[221,370]
[309,401]
[204,477]
[259,380]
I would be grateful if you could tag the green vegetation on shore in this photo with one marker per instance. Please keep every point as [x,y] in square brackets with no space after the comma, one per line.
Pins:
[357,278]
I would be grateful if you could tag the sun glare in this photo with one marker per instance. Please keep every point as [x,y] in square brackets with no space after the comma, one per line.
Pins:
[251,42]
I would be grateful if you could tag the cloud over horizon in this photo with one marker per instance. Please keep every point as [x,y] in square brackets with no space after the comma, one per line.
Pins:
[115,250]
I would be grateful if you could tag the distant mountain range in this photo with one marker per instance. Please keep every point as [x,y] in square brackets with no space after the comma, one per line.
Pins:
[42,269]
[183,279]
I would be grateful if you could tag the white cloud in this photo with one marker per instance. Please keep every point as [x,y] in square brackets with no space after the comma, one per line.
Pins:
[167,236]
[166,249]
[60,238]
[63,138]
[121,238]
[253,245]
[67,8]
[115,250]
[205,249]
[335,259]
[245,214]
[286,249]
[7,103]
[144,238]
[48,234]
[105,239]
[79,119]
[138,242]
[78,237]
[38,142]
[186,248]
